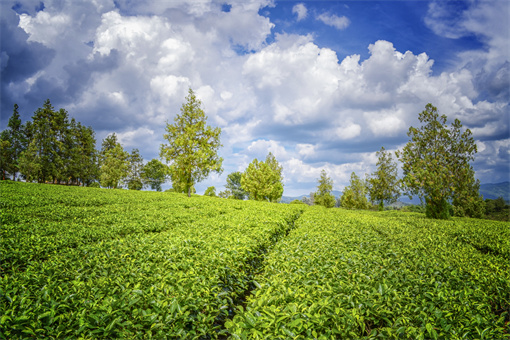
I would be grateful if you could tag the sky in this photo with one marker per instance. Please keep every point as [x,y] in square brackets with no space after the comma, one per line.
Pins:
[320,84]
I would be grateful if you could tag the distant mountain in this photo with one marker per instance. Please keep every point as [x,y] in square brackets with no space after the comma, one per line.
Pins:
[288,199]
[495,190]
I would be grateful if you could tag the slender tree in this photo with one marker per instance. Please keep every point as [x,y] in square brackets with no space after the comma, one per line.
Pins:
[323,194]
[354,195]
[5,154]
[85,155]
[15,136]
[436,162]
[192,148]
[30,163]
[383,184]
[114,163]
[135,168]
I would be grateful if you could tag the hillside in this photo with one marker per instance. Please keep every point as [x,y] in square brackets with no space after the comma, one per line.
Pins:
[495,190]
[121,264]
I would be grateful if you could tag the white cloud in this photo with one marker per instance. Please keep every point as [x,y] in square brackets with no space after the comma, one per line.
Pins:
[45,28]
[305,150]
[300,10]
[387,123]
[132,139]
[488,21]
[346,131]
[169,88]
[288,96]
[334,20]
[260,148]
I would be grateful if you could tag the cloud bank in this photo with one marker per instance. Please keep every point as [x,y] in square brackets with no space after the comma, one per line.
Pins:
[126,67]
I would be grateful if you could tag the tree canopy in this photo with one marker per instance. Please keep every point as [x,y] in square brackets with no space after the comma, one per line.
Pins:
[323,194]
[114,163]
[234,186]
[192,148]
[49,148]
[263,181]
[354,195]
[383,184]
[154,174]
[436,163]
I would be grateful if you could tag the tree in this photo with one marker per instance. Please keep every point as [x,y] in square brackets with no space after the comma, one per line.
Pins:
[154,174]
[234,185]
[436,163]
[192,147]
[29,163]
[323,194]
[83,167]
[114,163]
[210,191]
[11,152]
[263,180]
[467,200]
[5,154]
[225,194]
[354,195]
[309,200]
[134,172]
[383,184]
[42,140]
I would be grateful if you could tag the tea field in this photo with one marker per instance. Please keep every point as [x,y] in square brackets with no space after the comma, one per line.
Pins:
[94,263]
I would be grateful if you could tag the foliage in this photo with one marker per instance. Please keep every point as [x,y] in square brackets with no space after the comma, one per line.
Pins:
[134,178]
[436,163]
[114,163]
[234,185]
[225,194]
[469,202]
[296,201]
[29,163]
[12,141]
[414,208]
[263,181]
[383,184]
[192,147]
[154,174]
[354,195]
[5,155]
[323,194]
[50,148]
[210,191]
[360,275]
[497,209]
[94,263]
[81,142]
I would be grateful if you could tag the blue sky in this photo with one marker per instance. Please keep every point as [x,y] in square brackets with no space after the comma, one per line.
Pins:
[320,84]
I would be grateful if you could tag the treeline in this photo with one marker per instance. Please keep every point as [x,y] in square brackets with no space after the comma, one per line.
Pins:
[52,148]
[435,164]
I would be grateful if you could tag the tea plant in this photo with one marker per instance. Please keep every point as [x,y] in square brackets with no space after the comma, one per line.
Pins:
[345,274]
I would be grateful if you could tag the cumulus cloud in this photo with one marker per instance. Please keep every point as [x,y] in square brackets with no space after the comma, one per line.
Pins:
[488,22]
[127,66]
[334,20]
[300,10]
